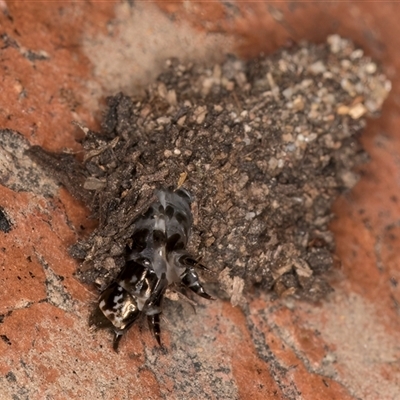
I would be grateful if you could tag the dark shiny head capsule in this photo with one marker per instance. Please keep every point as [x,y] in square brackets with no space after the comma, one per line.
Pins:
[119,306]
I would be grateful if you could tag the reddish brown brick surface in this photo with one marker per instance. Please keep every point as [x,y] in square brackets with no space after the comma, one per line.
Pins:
[58,60]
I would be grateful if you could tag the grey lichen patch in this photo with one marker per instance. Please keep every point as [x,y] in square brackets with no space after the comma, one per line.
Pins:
[278,371]
[265,147]
[214,375]
[17,171]
[31,55]
[5,223]
[56,294]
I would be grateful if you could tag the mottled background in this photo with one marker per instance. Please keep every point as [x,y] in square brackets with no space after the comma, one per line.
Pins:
[58,61]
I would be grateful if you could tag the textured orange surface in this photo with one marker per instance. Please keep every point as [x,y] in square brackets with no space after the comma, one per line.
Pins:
[55,61]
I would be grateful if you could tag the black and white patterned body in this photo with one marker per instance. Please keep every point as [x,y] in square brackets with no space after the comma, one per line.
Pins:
[156,259]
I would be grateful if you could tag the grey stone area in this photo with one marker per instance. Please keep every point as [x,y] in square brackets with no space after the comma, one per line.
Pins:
[17,172]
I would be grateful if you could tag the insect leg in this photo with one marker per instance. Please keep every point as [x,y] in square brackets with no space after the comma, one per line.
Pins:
[117,338]
[189,261]
[191,280]
[154,325]
[154,308]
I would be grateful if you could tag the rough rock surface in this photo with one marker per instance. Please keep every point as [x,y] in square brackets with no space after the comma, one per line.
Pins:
[344,347]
